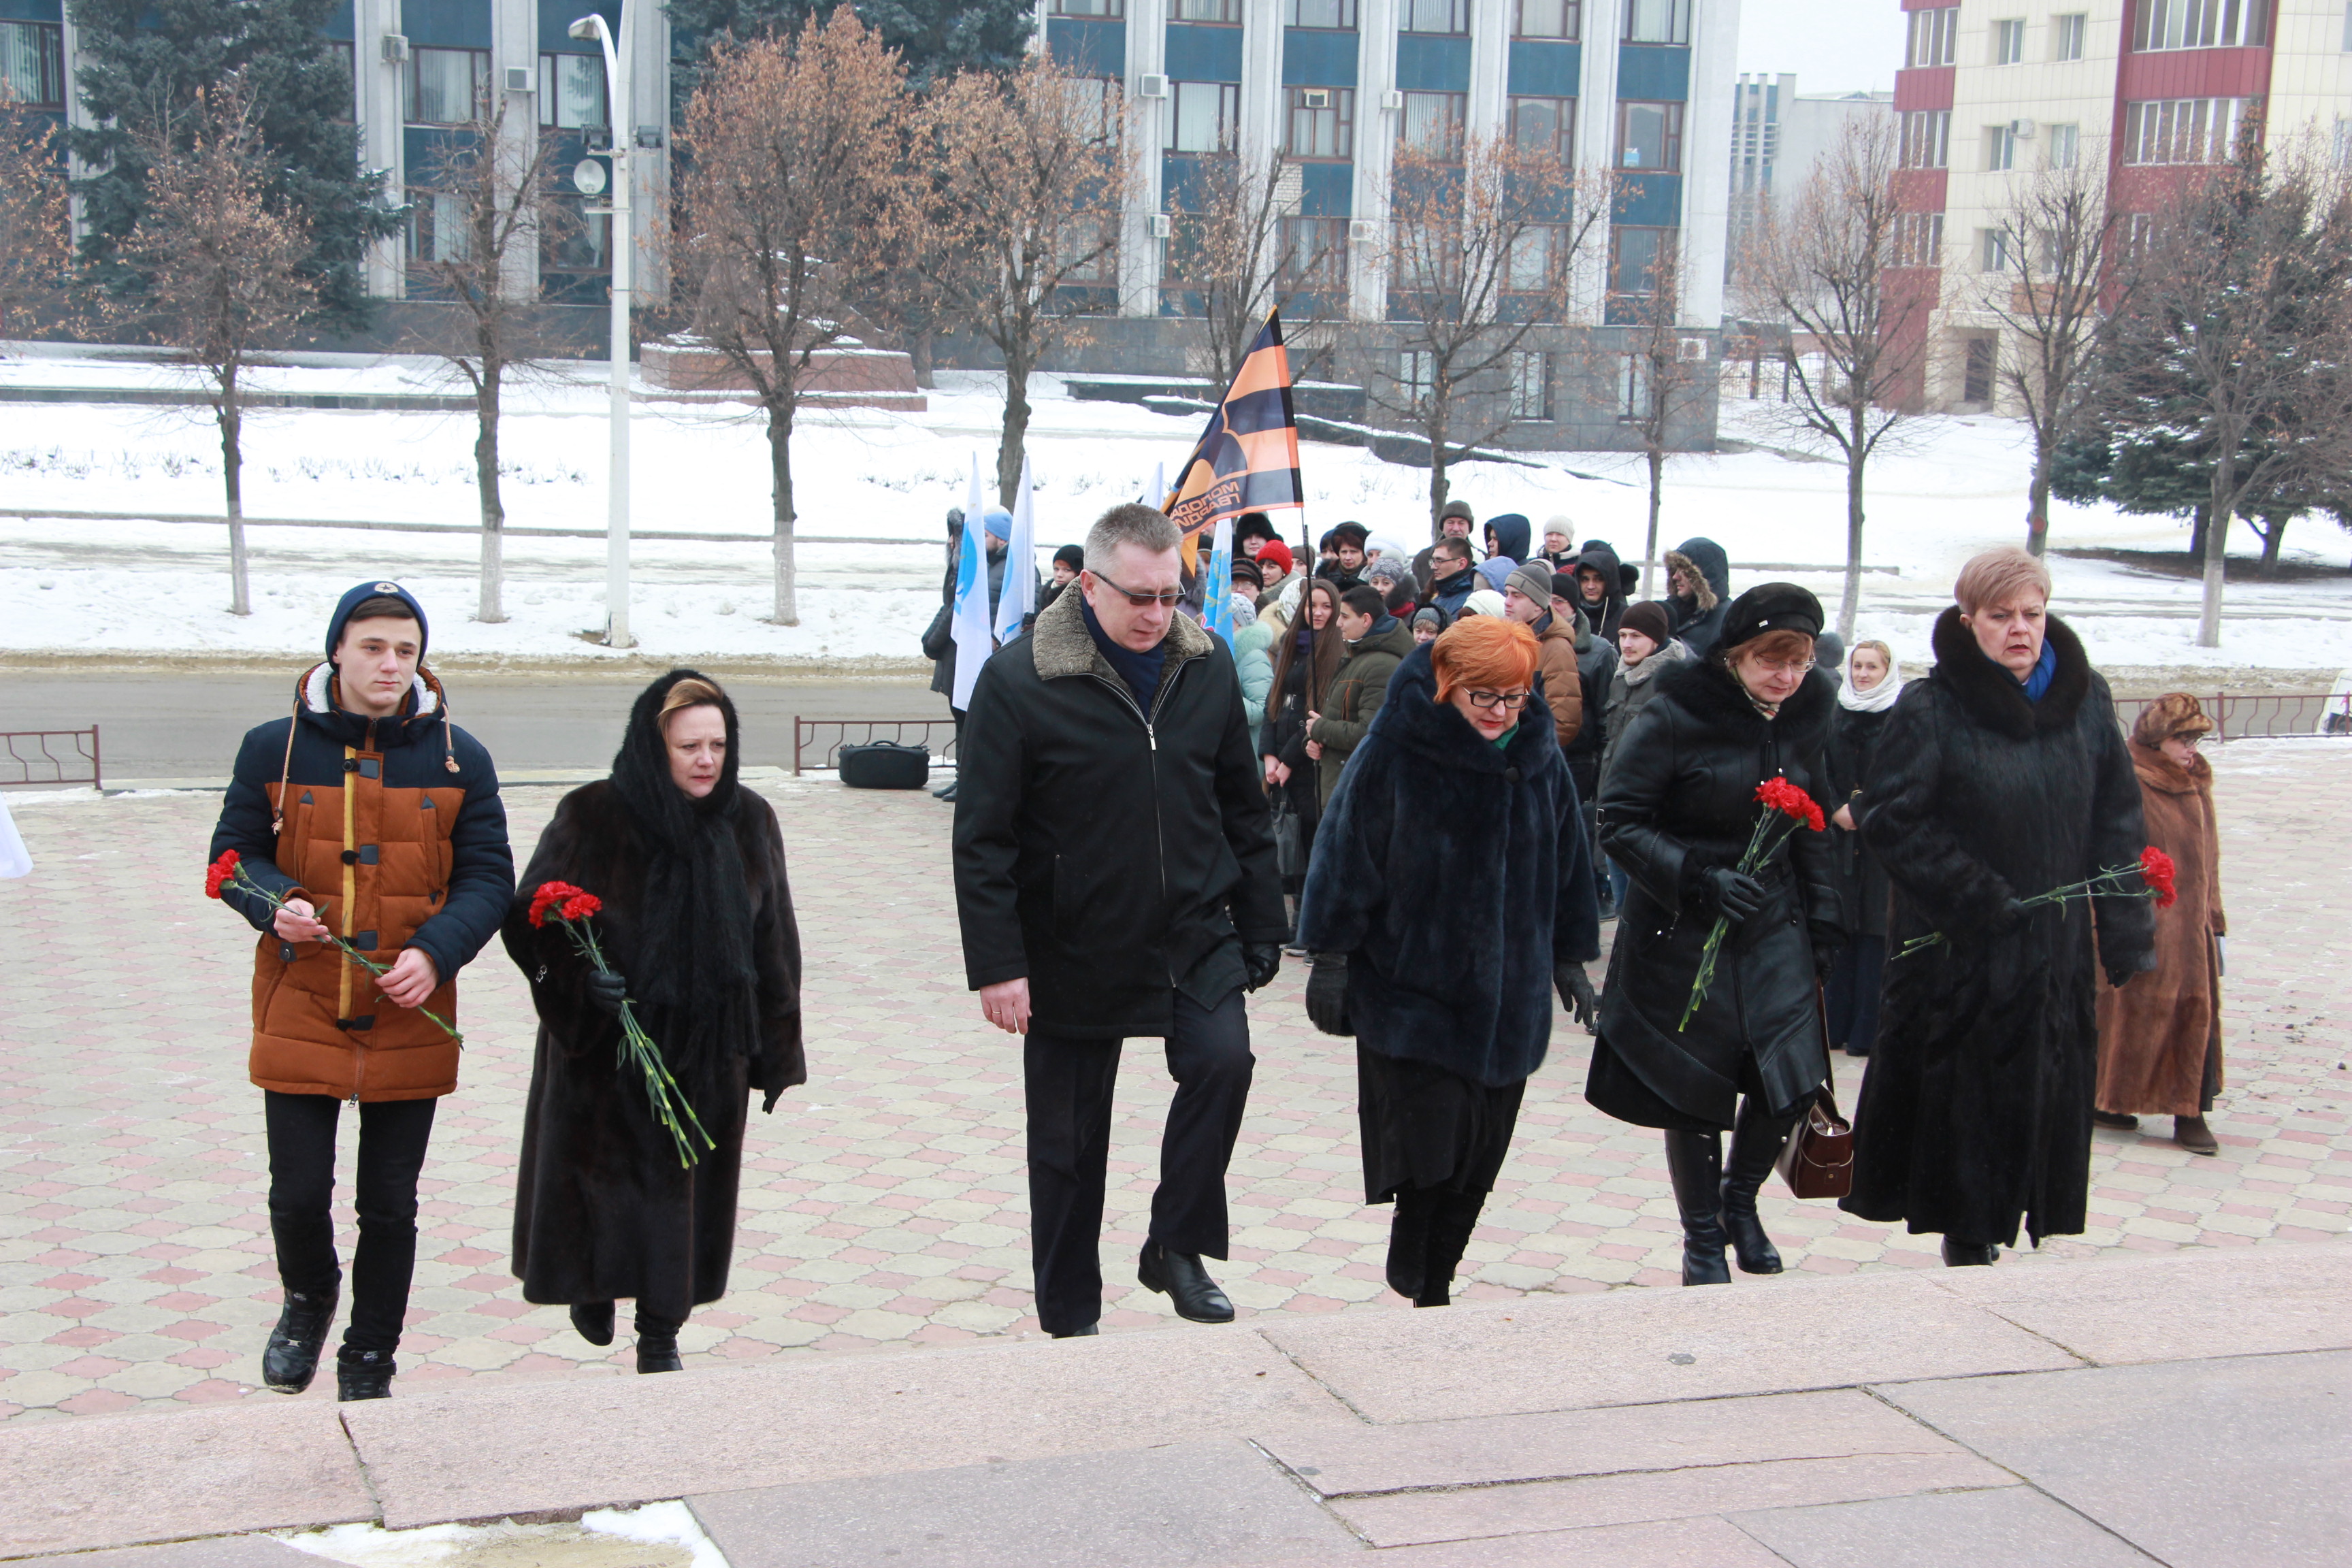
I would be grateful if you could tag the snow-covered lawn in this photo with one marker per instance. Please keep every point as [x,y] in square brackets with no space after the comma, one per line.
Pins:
[156,587]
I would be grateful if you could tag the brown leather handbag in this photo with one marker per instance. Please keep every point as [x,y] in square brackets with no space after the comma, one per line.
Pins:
[1818,1160]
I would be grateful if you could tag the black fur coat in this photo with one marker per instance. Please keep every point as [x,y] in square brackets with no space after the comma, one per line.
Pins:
[1975,1115]
[602,1210]
[1679,799]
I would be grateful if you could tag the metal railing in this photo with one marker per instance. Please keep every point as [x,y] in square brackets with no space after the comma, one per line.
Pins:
[49,757]
[2261,716]
[821,739]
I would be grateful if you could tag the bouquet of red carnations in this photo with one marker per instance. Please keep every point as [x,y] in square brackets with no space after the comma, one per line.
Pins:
[2154,872]
[1786,808]
[229,871]
[572,907]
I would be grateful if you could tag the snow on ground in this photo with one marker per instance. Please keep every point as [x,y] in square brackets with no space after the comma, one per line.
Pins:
[150,587]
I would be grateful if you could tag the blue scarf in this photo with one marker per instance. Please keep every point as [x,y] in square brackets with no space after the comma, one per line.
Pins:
[2046,670]
[1139,670]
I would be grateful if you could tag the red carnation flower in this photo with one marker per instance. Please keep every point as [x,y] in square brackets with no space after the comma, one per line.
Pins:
[550,895]
[580,906]
[220,872]
[2156,869]
[1786,798]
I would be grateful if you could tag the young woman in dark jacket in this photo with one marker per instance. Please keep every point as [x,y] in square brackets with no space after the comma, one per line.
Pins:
[1866,700]
[1299,683]
[2001,777]
[1677,808]
[697,920]
[1449,1004]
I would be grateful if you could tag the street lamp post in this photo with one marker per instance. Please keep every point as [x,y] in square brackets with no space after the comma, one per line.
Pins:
[623,248]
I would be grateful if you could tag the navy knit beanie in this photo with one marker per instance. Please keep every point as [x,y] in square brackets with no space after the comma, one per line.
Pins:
[358,594]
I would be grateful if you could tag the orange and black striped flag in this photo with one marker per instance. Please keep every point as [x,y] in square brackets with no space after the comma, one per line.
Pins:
[1247,459]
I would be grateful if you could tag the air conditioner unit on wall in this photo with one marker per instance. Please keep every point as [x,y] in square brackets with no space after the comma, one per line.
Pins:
[1151,86]
[395,49]
[1314,98]
[1392,98]
[1158,225]
[2021,129]
[1691,351]
[1362,231]
[521,79]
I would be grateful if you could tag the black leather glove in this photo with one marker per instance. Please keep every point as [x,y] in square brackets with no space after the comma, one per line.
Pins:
[768,1105]
[1262,960]
[607,991]
[2012,916]
[1732,894]
[1327,994]
[2121,977]
[1575,988]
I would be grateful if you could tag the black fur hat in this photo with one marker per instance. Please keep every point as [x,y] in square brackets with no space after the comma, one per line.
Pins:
[1770,607]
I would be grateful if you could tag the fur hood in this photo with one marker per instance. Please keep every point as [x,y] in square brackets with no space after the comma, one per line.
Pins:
[1994,698]
[1709,567]
[1064,646]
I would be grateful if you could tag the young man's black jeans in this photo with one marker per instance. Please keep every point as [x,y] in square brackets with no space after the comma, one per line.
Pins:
[393,1135]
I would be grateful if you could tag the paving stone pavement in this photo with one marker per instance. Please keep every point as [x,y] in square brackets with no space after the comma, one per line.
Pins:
[885,1204]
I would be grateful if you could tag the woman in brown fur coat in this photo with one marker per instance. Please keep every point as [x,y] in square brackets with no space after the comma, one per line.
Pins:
[2160,1040]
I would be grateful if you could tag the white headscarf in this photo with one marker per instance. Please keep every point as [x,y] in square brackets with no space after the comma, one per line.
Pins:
[1879,697]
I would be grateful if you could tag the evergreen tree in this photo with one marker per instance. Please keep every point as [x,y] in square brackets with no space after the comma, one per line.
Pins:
[143,62]
[934,38]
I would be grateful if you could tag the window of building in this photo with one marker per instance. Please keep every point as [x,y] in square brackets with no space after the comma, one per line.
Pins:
[342,52]
[1935,38]
[1321,121]
[1314,252]
[1089,250]
[1337,14]
[2000,147]
[2181,130]
[1977,370]
[582,241]
[2139,230]
[2064,145]
[1417,374]
[1205,11]
[2348,27]
[1538,253]
[572,92]
[1657,21]
[1550,19]
[33,64]
[1920,239]
[1530,384]
[1432,123]
[2343,143]
[1433,15]
[2066,34]
[1087,8]
[2201,24]
[1992,250]
[1204,114]
[446,87]
[2009,41]
[1649,135]
[1637,258]
[1546,125]
[436,228]
[1633,386]
[1926,137]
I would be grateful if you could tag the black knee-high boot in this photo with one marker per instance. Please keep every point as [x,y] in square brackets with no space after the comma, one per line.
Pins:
[1449,1238]
[1755,1142]
[1694,1160]
[1409,1240]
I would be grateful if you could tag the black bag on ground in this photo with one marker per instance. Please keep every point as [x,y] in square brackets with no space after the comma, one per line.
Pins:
[886,764]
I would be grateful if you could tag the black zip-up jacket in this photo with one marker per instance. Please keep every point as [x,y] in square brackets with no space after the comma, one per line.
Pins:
[1105,852]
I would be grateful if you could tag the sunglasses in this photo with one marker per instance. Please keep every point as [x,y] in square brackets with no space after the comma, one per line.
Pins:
[1171,597]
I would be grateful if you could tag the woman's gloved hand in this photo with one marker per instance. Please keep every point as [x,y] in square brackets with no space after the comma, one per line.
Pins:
[1575,988]
[607,991]
[1733,895]
[1327,994]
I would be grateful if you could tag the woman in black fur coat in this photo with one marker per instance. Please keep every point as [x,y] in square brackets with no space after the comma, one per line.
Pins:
[697,919]
[1451,893]
[1677,808]
[2002,775]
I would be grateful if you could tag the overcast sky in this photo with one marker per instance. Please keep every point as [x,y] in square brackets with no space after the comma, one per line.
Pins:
[1834,46]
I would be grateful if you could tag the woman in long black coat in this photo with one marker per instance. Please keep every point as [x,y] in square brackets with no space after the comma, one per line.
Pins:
[2002,775]
[1677,808]
[1865,702]
[1451,891]
[697,919]
[1300,680]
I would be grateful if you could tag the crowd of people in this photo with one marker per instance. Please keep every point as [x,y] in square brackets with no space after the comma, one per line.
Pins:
[1434,775]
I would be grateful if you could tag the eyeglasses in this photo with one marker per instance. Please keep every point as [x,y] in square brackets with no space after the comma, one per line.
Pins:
[1797,667]
[1171,597]
[1513,700]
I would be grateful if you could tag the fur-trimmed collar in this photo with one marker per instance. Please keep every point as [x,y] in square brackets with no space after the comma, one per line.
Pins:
[312,691]
[1992,697]
[1413,717]
[1065,647]
[1713,696]
[2161,774]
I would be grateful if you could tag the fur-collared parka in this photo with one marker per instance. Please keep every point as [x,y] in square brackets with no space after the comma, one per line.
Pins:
[1454,875]
[1679,799]
[1976,1116]
[603,1209]
[2160,1036]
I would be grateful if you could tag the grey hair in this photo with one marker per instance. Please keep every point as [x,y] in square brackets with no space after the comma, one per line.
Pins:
[1133,523]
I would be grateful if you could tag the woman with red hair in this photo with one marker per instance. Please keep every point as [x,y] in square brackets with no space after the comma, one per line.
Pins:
[1458,783]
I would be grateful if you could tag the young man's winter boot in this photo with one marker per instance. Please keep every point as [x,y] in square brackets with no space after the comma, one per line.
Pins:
[363,1375]
[291,1359]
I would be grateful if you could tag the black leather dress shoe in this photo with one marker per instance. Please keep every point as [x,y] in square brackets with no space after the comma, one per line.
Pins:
[1969,1254]
[291,1358]
[367,1375]
[1179,1276]
[594,1319]
[659,1352]
[1089,1329]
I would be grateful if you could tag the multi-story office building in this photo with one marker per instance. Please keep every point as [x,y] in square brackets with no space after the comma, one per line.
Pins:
[2145,92]
[1776,134]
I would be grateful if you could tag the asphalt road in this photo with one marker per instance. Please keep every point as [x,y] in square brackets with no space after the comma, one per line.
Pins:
[188,726]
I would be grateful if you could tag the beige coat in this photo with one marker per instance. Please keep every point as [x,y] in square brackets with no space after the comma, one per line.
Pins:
[2156,1036]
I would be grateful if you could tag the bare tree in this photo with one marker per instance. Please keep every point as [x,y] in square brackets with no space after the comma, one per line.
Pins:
[35,239]
[486,200]
[1819,265]
[2239,344]
[796,194]
[1034,170]
[226,269]
[1483,251]
[2052,297]
[1654,383]
[1235,249]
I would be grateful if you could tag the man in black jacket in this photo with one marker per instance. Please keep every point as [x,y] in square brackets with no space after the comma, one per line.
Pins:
[1115,875]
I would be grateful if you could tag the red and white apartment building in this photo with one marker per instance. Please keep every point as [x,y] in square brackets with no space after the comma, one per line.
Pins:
[2151,91]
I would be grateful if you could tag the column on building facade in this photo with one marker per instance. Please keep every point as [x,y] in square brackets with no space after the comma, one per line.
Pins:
[1596,142]
[1258,137]
[514,45]
[378,89]
[1376,132]
[649,29]
[1490,65]
[1140,252]
[1707,178]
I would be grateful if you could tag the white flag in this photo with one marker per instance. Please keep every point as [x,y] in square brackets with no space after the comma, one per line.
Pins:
[1020,596]
[973,640]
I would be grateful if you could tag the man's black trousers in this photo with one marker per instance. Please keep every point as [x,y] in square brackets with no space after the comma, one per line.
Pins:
[1069,1081]
[393,1135]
